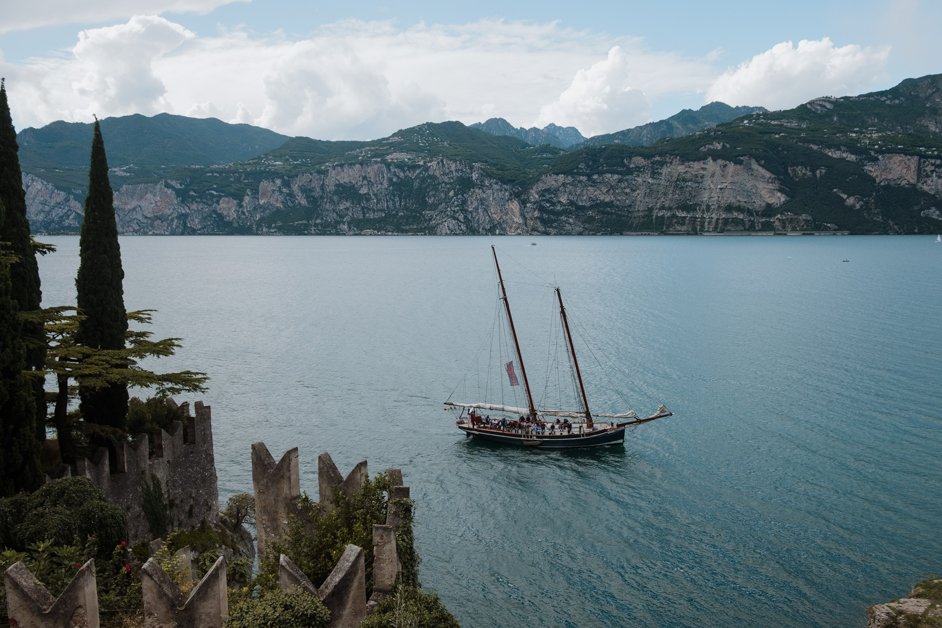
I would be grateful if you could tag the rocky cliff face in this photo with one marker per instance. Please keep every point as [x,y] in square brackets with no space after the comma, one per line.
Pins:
[922,607]
[408,194]
[50,209]
[862,164]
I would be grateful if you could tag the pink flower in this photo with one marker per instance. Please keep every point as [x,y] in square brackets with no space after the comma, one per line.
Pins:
[124,544]
[126,568]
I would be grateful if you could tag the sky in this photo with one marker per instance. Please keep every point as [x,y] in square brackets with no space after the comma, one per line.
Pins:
[364,69]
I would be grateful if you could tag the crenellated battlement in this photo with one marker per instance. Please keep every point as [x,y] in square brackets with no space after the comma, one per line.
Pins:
[181,460]
[277,489]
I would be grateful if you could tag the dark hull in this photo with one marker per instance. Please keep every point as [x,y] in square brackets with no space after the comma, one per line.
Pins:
[614,436]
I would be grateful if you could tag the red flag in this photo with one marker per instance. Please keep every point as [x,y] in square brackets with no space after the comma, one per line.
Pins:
[510,374]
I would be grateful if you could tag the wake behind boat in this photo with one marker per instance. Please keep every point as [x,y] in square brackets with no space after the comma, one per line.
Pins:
[543,428]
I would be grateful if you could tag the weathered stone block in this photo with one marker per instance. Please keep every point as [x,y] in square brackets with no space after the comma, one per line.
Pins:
[164,607]
[289,576]
[276,488]
[344,590]
[386,565]
[398,492]
[394,476]
[330,480]
[30,605]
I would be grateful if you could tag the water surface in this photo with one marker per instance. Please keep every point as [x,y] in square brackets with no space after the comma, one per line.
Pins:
[798,481]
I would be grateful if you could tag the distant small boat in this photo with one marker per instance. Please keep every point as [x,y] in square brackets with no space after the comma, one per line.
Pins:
[533,244]
[938,239]
[845,260]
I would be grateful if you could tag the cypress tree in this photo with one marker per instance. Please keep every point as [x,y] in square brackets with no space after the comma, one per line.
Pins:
[100,293]
[20,466]
[24,272]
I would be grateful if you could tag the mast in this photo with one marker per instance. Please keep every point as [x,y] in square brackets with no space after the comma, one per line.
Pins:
[513,332]
[575,361]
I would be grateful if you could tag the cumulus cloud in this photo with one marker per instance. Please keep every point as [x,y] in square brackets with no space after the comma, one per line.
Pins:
[354,79]
[600,98]
[18,16]
[786,75]
[614,93]
[114,65]
[348,80]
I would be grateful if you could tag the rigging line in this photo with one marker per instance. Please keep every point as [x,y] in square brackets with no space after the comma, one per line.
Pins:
[496,337]
[550,338]
[515,262]
[486,342]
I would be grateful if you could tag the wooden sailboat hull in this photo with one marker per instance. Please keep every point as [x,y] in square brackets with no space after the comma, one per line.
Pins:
[612,436]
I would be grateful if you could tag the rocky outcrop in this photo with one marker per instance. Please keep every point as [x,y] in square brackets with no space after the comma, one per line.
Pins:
[908,170]
[50,209]
[922,607]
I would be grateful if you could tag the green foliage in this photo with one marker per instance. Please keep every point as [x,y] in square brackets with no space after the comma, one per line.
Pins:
[240,509]
[20,464]
[152,414]
[120,600]
[405,543]
[177,568]
[294,608]
[239,572]
[22,400]
[410,607]
[143,147]
[100,291]
[200,540]
[53,565]
[156,507]
[120,595]
[68,511]
[316,540]
[97,368]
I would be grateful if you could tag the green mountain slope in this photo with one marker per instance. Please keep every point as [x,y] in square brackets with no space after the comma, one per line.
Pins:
[140,146]
[683,123]
[863,164]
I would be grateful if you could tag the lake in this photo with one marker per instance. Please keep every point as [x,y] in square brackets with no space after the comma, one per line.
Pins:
[798,481]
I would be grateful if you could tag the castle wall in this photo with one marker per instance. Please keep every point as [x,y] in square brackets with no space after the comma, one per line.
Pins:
[182,461]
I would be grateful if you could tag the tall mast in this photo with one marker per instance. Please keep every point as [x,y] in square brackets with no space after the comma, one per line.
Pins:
[575,361]
[513,332]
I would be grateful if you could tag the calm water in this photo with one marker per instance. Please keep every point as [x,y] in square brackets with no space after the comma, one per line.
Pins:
[799,480]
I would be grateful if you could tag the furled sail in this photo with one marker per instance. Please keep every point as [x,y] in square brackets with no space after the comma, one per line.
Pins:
[631,414]
[495,407]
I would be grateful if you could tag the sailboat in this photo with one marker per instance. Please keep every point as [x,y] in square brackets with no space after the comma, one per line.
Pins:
[938,239]
[544,428]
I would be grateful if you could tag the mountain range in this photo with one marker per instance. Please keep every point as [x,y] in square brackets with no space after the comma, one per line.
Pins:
[860,164]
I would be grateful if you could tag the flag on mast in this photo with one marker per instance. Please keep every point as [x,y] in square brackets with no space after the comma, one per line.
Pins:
[511,375]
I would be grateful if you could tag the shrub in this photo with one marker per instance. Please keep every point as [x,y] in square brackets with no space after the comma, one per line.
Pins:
[409,606]
[278,609]
[240,509]
[156,507]
[149,415]
[317,538]
[68,511]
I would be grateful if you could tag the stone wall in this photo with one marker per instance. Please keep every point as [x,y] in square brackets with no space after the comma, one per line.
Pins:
[343,592]
[181,460]
[30,605]
[277,489]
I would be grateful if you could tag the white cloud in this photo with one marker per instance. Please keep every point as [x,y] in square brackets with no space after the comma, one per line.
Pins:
[18,16]
[600,98]
[349,80]
[114,66]
[786,75]
[615,93]
[363,80]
